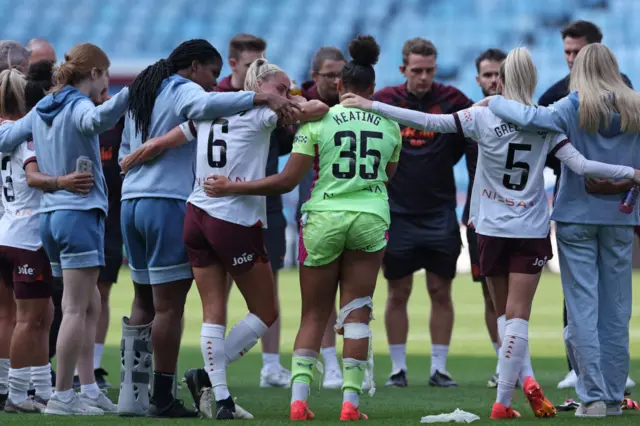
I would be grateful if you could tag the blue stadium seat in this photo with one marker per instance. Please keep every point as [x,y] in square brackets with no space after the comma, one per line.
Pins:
[135,30]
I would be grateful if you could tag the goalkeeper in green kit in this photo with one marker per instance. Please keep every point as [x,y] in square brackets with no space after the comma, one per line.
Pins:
[343,228]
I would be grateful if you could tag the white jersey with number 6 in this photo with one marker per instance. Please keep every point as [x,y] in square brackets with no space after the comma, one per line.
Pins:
[236,147]
[509,197]
[20,224]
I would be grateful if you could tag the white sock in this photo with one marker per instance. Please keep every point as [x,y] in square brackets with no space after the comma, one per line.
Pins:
[5,364]
[65,396]
[514,347]
[98,348]
[19,379]
[243,336]
[299,391]
[527,369]
[92,390]
[41,378]
[212,345]
[270,359]
[502,325]
[398,357]
[439,358]
[351,397]
[330,357]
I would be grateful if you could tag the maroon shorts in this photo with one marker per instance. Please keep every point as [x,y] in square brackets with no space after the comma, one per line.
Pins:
[500,256]
[209,240]
[28,272]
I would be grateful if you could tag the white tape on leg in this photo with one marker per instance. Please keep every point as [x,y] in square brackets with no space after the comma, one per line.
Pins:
[352,306]
[359,331]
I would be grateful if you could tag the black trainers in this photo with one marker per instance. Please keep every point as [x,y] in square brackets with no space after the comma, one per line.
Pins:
[442,380]
[397,379]
[3,400]
[197,380]
[569,405]
[174,410]
[100,374]
[225,409]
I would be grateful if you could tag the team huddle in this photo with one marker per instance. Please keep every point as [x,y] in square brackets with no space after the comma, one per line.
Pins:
[200,200]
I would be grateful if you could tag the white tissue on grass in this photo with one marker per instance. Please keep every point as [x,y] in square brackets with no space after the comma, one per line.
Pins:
[457,416]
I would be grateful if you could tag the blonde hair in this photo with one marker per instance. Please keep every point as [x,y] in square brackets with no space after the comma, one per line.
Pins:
[79,62]
[12,85]
[602,91]
[259,70]
[519,76]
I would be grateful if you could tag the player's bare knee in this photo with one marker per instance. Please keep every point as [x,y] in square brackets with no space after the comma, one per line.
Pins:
[398,297]
[35,322]
[440,295]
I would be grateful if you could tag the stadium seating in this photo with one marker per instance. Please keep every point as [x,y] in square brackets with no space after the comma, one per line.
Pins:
[461,29]
[137,32]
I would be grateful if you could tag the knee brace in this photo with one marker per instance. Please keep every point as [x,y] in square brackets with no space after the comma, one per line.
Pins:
[358,331]
[136,369]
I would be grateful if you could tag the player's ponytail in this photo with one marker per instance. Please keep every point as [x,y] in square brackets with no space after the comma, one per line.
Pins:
[145,87]
[260,70]
[358,74]
[519,76]
[78,64]
[12,84]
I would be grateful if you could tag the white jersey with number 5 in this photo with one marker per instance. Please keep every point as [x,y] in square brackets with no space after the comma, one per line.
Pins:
[20,224]
[509,198]
[236,147]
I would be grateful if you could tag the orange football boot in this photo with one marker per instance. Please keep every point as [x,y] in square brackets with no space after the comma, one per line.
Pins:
[540,405]
[300,411]
[351,412]
[500,412]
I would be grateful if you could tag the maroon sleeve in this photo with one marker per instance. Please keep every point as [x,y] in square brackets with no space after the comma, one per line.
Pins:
[387,96]
[558,146]
[29,160]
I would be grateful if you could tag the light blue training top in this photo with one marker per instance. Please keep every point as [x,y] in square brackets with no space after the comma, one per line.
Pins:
[64,126]
[171,175]
[573,203]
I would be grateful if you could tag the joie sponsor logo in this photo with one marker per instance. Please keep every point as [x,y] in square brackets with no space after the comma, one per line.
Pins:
[25,269]
[540,262]
[244,258]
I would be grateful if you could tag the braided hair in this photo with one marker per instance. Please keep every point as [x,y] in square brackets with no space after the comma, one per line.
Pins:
[144,89]
[358,73]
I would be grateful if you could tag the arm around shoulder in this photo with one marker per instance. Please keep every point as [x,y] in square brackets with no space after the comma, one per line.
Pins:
[93,120]
[13,134]
[553,118]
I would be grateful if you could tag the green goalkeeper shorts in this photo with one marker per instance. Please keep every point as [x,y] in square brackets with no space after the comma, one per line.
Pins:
[324,235]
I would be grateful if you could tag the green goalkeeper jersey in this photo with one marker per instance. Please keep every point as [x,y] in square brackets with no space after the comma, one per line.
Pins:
[351,150]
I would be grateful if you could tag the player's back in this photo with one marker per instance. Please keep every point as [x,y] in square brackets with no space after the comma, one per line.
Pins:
[19,226]
[237,147]
[352,150]
[509,197]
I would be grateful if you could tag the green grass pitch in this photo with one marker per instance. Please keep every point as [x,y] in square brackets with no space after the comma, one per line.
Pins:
[471,361]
